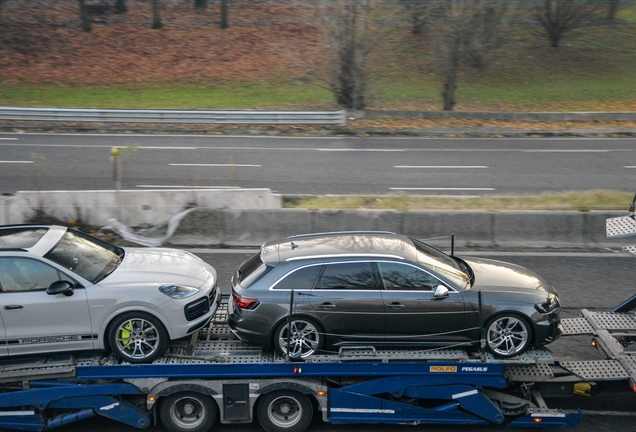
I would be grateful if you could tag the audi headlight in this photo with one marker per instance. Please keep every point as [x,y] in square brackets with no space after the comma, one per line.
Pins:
[551,303]
[178,291]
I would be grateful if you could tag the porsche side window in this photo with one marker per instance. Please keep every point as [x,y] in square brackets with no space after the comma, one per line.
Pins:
[303,279]
[347,276]
[24,274]
[401,277]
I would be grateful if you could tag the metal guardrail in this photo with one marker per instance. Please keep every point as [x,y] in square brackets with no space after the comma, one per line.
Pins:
[518,116]
[174,116]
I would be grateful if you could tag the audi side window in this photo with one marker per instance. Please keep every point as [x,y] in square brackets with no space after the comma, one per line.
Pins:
[347,276]
[301,279]
[402,277]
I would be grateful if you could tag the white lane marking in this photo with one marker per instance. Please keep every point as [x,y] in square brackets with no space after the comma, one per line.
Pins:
[9,139]
[629,167]
[567,151]
[358,150]
[441,166]
[215,165]
[17,162]
[142,147]
[443,189]
[186,187]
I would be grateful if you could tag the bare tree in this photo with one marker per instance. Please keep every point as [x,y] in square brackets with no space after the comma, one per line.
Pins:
[613,7]
[120,6]
[200,3]
[84,18]
[156,17]
[225,19]
[465,32]
[348,28]
[418,13]
[558,17]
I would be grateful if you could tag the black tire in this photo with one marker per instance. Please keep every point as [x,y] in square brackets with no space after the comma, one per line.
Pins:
[284,411]
[307,338]
[508,335]
[137,337]
[188,412]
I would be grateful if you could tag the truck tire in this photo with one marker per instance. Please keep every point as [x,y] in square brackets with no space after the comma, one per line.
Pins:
[188,412]
[284,411]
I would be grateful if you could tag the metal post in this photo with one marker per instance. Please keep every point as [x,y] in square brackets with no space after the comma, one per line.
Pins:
[452,244]
[115,154]
[289,322]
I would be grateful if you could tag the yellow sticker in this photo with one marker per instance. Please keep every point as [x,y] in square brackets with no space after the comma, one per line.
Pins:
[443,368]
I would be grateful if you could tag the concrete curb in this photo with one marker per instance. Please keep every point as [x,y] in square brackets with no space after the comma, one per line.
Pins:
[533,229]
[336,132]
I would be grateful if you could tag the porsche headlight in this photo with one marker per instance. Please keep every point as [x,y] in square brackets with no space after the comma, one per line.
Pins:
[551,303]
[178,291]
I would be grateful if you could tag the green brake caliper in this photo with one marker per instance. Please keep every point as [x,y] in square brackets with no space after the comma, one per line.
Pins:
[125,336]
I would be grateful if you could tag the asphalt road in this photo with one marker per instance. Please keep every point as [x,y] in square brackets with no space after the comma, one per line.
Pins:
[331,165]
[584,280]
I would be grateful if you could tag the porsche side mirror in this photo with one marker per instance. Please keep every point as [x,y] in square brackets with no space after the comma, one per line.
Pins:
[440,292]
[60,287]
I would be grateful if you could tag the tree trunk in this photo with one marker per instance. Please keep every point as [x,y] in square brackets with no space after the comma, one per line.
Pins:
[555,37]
[225,20]
[156,18]
[450,79]
[614,5]
[199,4]
[120,6]
[85,20]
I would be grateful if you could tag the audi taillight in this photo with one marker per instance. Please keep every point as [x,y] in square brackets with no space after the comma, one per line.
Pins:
[244,303]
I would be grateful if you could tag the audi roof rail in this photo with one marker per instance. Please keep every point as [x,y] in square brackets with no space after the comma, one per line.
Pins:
[336,233]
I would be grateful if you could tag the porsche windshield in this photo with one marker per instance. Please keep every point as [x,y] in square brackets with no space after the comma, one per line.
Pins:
[86,256]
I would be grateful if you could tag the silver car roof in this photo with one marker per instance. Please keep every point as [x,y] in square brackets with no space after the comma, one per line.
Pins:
[338,245]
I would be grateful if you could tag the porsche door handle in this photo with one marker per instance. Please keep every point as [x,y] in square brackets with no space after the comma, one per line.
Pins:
[327,306]
[395,305]
[12,307]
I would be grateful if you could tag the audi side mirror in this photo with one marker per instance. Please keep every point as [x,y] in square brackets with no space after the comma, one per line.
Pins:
[60,287]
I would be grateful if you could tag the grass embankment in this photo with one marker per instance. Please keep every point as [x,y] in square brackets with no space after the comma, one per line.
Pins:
[260,63]
[579,201]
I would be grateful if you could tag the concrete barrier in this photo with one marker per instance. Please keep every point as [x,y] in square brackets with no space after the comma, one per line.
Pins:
[545,229]
[250,217]
[137,207]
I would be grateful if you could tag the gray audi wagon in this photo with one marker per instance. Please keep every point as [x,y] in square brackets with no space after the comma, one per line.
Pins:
[386,290]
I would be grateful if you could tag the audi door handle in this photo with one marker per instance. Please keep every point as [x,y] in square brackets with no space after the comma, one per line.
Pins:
[12,307]
[396,305]
[326,306]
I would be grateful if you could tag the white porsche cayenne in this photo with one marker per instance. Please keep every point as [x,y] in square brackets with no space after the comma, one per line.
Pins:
[63,290]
